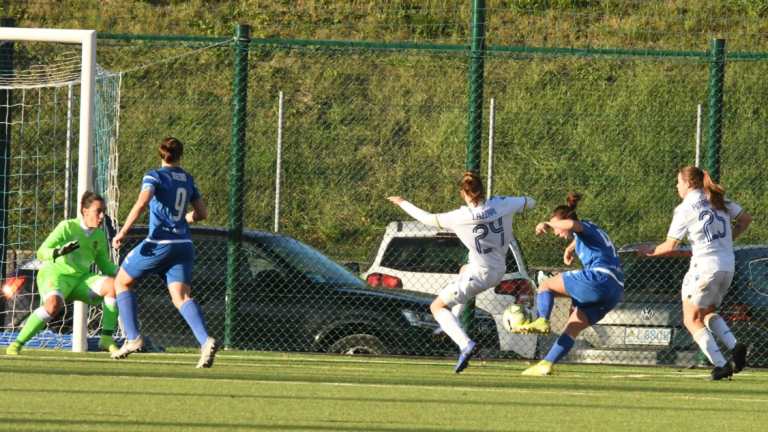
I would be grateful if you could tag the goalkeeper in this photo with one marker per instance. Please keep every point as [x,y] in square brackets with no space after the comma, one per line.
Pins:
[68,254]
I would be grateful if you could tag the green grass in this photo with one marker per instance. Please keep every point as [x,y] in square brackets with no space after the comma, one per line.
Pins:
[54,390]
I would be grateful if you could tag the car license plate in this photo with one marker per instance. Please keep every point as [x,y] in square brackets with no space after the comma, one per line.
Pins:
[647,336]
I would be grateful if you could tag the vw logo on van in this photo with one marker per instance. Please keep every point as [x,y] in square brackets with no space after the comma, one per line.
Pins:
[647,313]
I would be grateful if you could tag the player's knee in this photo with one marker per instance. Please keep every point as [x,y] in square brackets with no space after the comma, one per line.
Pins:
[693,319]
[711,318]
[53,305]
[437,305]
[108,288]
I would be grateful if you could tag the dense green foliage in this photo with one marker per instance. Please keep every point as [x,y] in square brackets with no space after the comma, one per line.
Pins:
[363,124]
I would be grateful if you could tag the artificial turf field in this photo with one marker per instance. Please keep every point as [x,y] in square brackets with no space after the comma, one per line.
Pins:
[56,390]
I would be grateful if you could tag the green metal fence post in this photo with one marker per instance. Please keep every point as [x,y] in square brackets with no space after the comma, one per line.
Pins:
[715,123]
[6,66]
[475,119]
[715,117]
[236,177]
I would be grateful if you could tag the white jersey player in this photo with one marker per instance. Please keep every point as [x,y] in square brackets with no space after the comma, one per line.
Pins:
[704,217]
[485,228]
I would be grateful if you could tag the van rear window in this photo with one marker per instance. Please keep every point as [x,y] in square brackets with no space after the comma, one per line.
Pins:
[431,255]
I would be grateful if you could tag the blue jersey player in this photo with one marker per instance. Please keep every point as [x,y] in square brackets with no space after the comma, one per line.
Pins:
[167,251]
[594,291]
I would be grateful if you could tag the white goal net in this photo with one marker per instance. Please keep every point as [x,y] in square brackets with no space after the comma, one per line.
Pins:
[42,168]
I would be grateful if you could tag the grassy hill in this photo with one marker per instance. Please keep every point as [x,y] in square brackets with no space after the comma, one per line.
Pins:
[365,124]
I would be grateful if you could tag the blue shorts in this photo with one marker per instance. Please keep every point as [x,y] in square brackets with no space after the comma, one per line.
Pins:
[172,260]
[592,292]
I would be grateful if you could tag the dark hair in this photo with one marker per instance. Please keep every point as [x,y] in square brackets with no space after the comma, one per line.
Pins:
[568,210]
[171,150]
[700,179]
[472,185]
[88,199]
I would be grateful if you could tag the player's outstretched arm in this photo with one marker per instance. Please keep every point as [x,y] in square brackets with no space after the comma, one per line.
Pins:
[198,213]
[565,224]
[141,204]
[668,246]
[415,212]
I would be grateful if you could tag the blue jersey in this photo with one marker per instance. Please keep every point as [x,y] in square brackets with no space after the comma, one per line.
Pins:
[596,250]
[174,189]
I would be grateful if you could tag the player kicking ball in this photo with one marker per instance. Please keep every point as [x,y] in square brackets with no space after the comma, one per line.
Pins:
[594,291]
[485,228]
[167,251]
[704,216]
[67,255]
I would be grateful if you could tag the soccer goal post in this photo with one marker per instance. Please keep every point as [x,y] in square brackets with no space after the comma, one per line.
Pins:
[87,81]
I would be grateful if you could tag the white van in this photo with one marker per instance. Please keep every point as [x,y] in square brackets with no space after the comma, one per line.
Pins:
[417,257]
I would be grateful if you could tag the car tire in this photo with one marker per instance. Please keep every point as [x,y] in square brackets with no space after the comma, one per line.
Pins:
[358,344]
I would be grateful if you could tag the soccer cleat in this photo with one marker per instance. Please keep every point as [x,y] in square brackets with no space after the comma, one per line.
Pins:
[540,369]
[14,348]
[719,373]
[439,335]
[739,353]
[465,355]
[106,343]
[129,347]
[207,353]
[540,326]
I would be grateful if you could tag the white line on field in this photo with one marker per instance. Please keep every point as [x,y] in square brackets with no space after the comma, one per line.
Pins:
[305,383]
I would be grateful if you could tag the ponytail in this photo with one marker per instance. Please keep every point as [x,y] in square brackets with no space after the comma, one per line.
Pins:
[700,179]
[568,211]
[472,185]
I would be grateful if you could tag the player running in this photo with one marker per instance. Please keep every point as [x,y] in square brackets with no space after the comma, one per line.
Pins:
[68,254]
[485,228]
[167,251]
[594,291]
[704,217]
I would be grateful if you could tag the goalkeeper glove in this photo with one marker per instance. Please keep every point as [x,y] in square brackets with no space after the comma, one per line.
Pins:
[67,248]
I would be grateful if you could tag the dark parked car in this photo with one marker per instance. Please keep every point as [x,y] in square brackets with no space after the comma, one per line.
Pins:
[288,297]
[647,325]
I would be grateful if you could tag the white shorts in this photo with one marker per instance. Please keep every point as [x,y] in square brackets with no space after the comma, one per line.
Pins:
[469,284]
[704,288]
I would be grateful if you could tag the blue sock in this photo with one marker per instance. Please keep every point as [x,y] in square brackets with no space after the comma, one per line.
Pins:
[191,312]
[126,304]
[563,344]
[544,303]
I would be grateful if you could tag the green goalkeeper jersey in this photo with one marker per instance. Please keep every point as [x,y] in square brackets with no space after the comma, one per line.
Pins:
[93,248]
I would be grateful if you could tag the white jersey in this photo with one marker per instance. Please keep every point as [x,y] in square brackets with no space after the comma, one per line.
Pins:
[708,231]
[485,230]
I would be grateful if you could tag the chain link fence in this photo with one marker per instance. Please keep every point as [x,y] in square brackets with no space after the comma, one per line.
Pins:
[348,272]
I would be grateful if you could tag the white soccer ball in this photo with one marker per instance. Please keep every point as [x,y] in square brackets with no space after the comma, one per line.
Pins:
[514,316]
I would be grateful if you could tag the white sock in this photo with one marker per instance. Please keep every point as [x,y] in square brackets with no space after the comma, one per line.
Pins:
[707,344]
[716,324]
[452,327]
[457,310]
[43,314]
